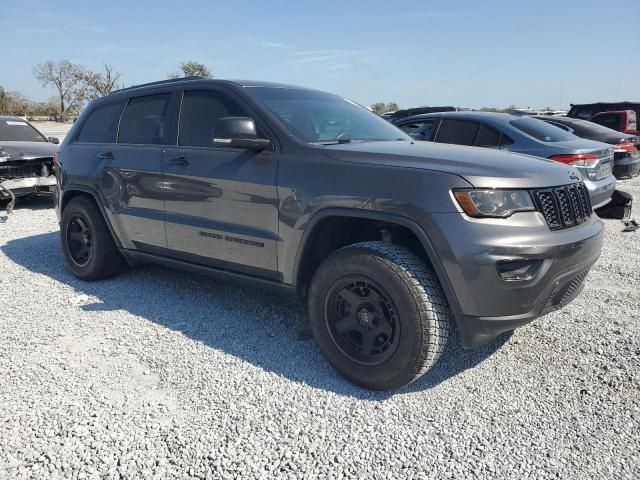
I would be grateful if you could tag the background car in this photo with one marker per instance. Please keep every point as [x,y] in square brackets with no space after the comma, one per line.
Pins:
[587,110]
[26,159]
[398,115]
[526,135]
[624,121]
[626,154]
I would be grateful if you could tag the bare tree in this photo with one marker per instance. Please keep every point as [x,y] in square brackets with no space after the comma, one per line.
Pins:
[101,84]
[68,78]
[192,68]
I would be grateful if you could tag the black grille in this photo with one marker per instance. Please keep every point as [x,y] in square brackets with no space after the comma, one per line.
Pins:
[565,206]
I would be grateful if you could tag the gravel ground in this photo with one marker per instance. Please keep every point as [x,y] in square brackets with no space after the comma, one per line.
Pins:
[160,374]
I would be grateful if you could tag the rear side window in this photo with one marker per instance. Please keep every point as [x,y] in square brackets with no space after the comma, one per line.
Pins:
[101,125]
[541,130]
[419,130]
[559,125]
[200,112]
[488,137]
[144,120]
[610,121]
[584,113]
[460,132]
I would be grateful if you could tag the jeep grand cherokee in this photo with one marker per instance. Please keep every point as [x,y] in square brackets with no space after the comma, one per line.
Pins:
[388,240]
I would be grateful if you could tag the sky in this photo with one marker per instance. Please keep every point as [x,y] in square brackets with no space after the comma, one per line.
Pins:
[463,53]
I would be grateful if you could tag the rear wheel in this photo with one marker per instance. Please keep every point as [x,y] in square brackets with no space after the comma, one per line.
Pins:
[378,314]
[88,247]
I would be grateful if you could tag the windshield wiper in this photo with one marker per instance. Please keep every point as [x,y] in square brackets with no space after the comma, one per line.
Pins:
[344,138]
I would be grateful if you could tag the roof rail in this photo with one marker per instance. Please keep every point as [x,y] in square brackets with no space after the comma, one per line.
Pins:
[160,82]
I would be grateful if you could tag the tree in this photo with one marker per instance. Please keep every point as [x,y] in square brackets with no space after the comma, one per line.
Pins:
[4,101]
[69,80]
[192,68]
[17,104]
[380,107]
[101,84]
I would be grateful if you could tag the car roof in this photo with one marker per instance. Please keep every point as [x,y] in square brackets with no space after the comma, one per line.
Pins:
[478,116]
[200,80]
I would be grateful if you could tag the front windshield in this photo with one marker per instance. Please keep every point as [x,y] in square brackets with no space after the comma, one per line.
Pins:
[318,117]
[542,130]
[17,130]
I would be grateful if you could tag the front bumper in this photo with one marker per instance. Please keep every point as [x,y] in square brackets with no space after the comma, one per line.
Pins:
[29,185]
[489,305]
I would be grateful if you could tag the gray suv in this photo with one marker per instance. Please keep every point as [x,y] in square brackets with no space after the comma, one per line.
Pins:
[389,241]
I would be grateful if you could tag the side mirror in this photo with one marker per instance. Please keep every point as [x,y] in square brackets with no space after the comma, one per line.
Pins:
[54,140]
[238,132]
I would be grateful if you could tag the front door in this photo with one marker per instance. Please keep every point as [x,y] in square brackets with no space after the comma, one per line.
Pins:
[221,203]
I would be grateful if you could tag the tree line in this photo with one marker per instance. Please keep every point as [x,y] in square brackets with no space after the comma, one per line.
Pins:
[75,85]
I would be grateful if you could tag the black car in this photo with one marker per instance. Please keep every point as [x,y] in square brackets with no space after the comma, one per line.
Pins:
[626,154]
[388,241]
[398,115]
[26,159]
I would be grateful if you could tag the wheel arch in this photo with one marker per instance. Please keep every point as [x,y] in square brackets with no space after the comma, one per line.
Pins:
[80,191]
[300,277]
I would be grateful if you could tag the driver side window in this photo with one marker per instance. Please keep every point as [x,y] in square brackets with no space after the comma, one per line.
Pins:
[200,111]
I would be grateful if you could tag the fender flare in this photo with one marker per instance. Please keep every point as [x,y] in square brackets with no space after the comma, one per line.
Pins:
[418,231]
[73,189]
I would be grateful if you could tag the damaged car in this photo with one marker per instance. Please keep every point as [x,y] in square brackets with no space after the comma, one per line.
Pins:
[26,160]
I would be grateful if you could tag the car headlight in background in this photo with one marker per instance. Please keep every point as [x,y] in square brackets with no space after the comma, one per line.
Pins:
[493,203]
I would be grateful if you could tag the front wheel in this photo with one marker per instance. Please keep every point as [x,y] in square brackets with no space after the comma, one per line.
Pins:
[378,314]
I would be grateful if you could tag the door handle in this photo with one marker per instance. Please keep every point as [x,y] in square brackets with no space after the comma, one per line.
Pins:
[106,156]
[183,161]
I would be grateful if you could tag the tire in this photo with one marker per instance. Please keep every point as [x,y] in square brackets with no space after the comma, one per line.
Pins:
[399,303]
[104,259]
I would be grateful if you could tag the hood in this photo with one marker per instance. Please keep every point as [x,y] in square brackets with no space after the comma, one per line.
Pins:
[26,150]
[482,167]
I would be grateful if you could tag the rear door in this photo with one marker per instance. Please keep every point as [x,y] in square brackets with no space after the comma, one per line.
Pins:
[133,185]
[221,202]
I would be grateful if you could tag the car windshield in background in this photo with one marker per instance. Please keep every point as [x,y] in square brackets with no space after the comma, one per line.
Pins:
[318,117]
[18,131]
[541,130]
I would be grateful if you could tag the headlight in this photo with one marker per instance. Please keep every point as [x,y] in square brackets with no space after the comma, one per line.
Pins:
[493,203]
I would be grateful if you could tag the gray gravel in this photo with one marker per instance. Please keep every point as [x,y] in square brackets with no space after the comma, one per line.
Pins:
[160,374]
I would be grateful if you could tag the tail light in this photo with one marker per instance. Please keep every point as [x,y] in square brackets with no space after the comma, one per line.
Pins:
[625,147]
[578,159]
[56,159]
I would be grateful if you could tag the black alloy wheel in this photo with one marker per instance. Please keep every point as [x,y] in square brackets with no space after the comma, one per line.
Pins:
[79,240]
[362,321]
